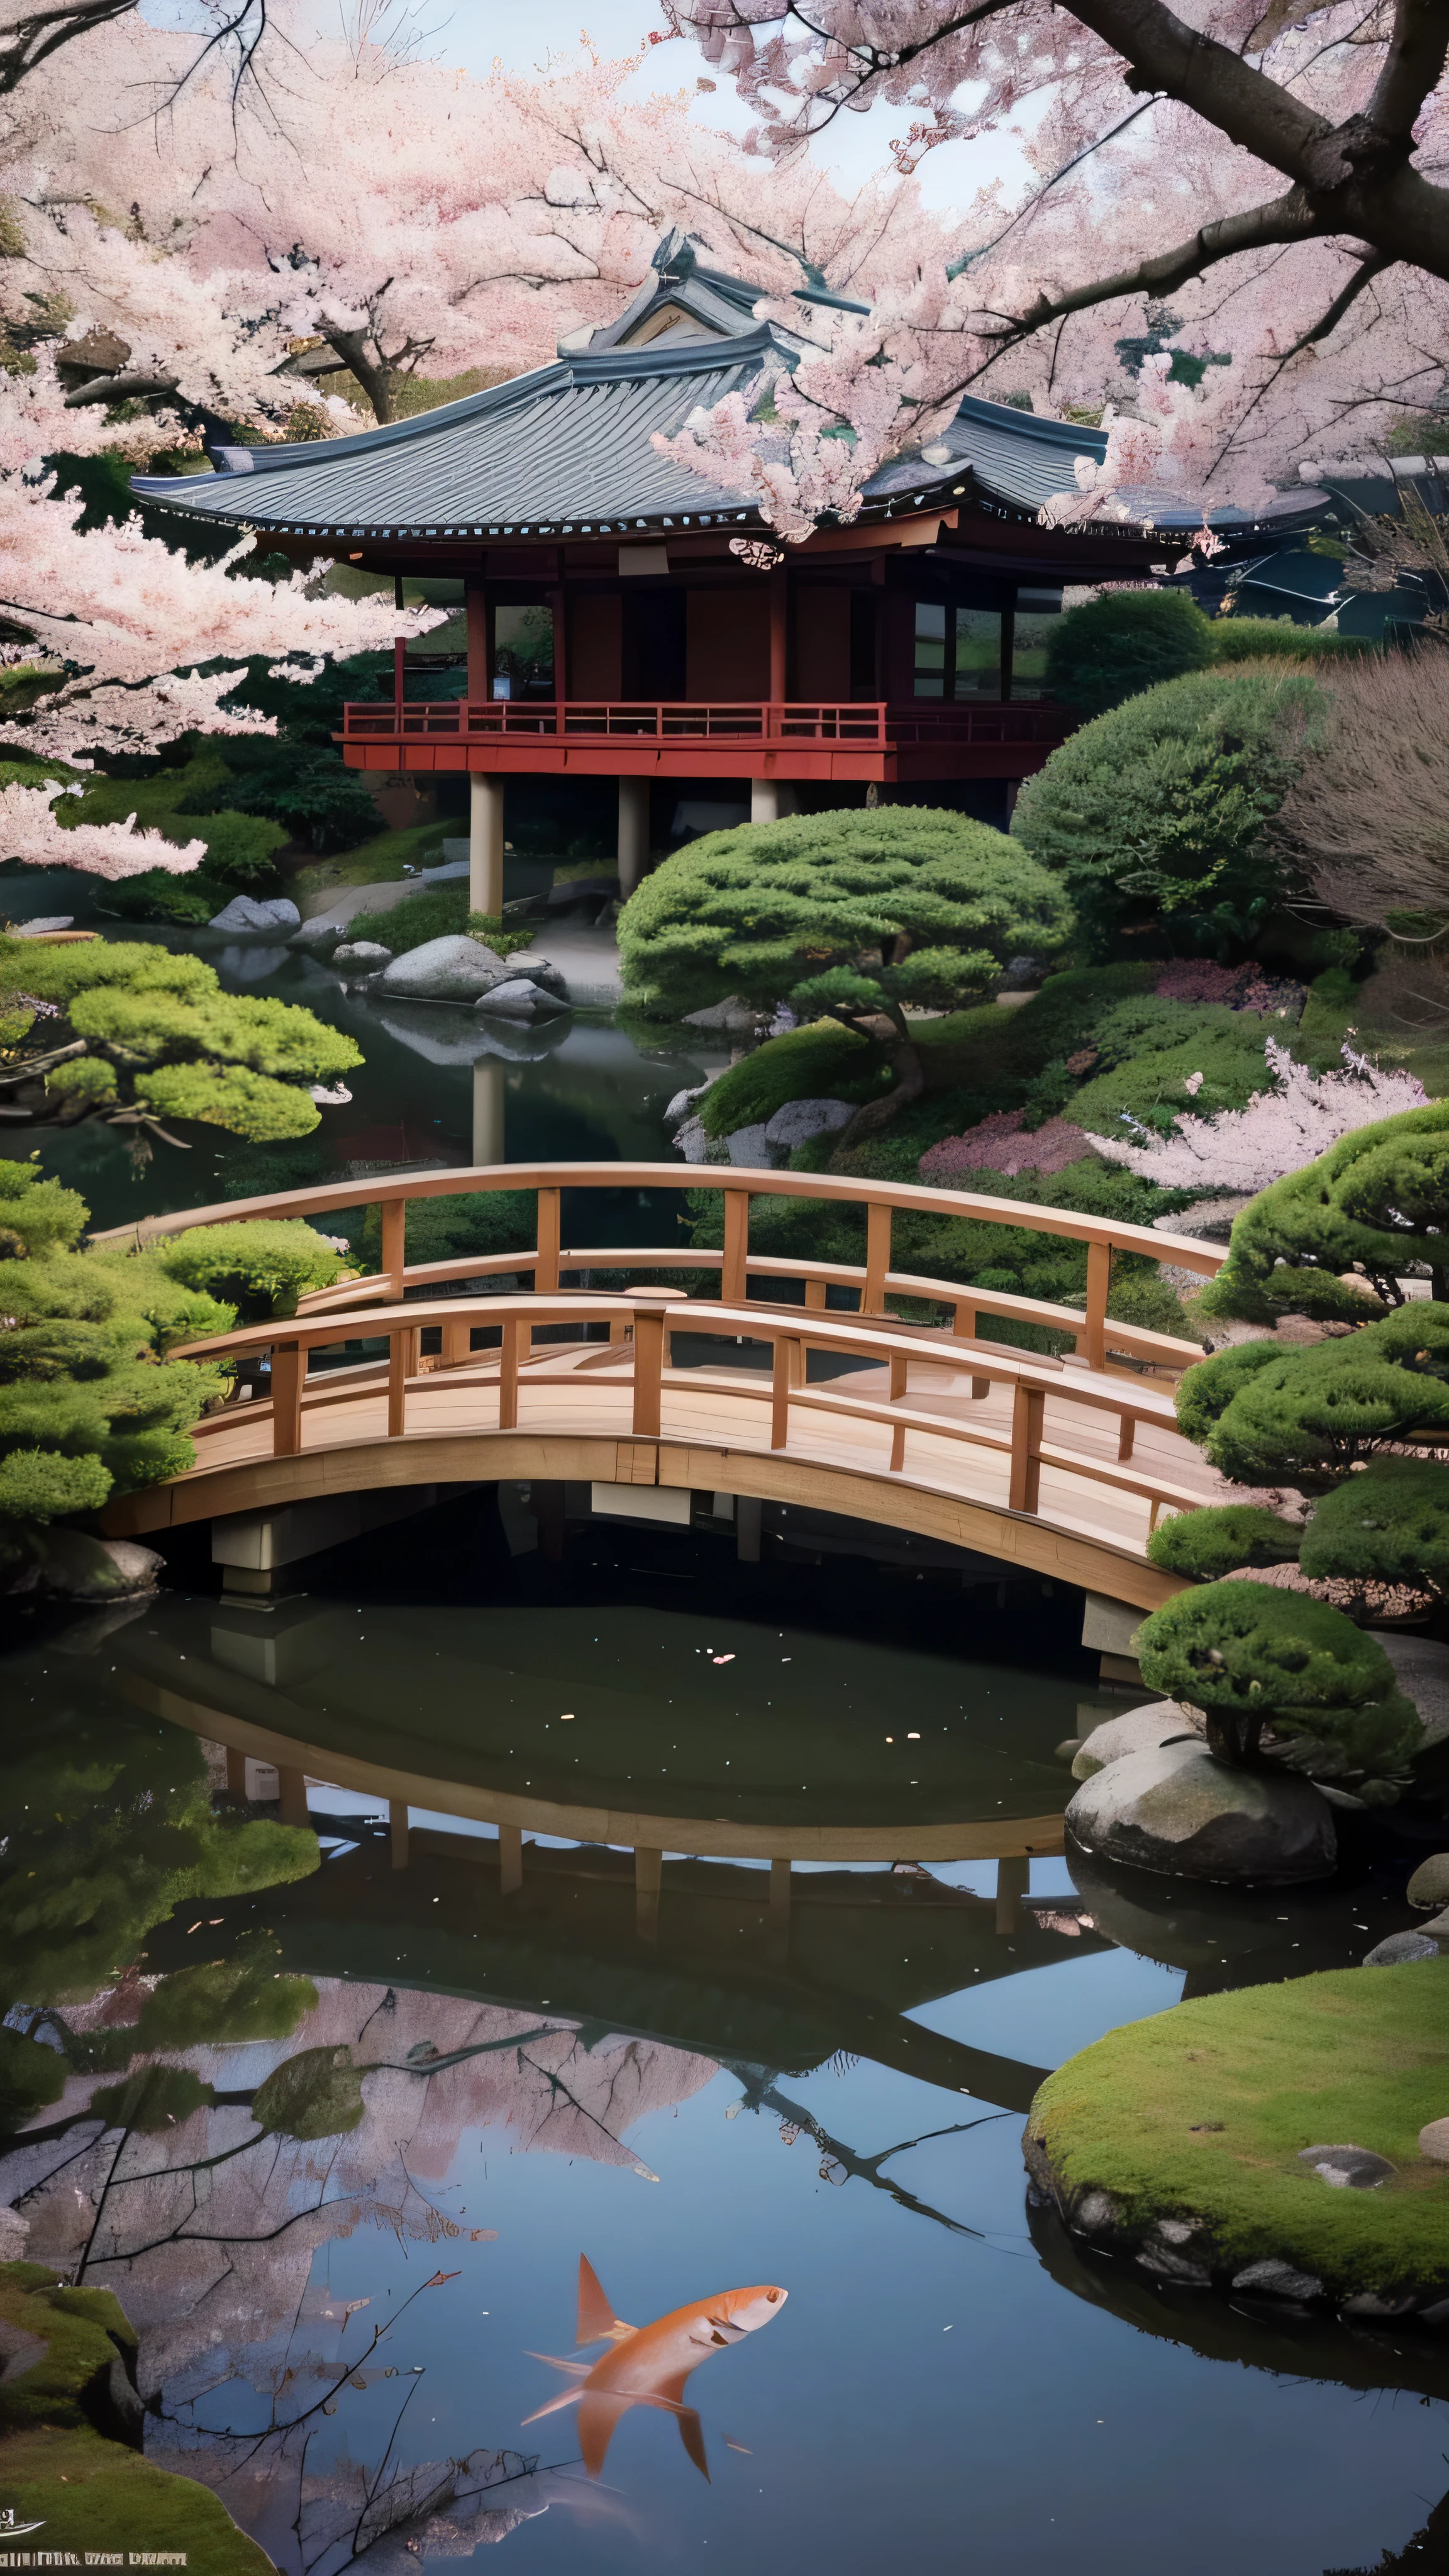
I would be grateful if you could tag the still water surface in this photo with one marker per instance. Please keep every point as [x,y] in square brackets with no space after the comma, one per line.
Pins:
[701,2096]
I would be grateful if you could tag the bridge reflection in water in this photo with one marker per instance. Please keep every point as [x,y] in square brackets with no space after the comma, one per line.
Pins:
[1057,1458]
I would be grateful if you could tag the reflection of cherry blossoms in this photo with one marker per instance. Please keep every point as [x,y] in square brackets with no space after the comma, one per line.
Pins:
[206,2227]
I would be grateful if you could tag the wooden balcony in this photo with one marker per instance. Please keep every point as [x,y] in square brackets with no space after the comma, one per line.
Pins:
[683,738]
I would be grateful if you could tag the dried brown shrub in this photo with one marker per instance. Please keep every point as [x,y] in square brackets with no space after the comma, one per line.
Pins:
[1366,822]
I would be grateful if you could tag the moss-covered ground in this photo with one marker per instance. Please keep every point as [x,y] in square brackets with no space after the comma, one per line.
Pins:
[1201,2113]
[67,2461]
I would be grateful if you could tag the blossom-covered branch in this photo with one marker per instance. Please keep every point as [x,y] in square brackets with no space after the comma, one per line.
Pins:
[1282,1128]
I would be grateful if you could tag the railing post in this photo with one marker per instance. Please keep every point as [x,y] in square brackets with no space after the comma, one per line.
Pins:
[457,1343]
[394,1244]
[1099,1282]
[508,1377]
[648,1370]
[289,1368]
[784,1375]
[1126,1433]
[1028,1405]
[878,1220]
[734,1269]
[545,1269]
[397,1380]
[899,1368]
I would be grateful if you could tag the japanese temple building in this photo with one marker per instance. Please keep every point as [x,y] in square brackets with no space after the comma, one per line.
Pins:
[673,641]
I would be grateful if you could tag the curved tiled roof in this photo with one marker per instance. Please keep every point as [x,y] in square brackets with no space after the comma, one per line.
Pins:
[568,448]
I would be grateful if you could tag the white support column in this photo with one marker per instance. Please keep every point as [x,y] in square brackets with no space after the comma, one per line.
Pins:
[771,799]
[633,833]
[485,844]
[488,1110]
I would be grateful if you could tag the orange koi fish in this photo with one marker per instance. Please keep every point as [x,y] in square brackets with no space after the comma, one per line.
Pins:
[649,2365]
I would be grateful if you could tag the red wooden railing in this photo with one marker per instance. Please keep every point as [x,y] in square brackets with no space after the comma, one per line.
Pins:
[866,725]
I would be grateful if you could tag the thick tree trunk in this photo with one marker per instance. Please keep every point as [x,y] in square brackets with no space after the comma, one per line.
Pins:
[872,1115]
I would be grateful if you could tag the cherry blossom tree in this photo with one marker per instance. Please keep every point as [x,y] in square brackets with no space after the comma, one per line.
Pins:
[1232,324]
[1289,1124]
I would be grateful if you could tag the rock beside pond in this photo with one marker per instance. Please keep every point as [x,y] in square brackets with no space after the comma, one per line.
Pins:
[799,1120]
[1179,1811]
[1347,2168]
[97,1569]
[361,957]
[1434,2141]
[1429,1886]
[751,1147]
[1399,1949]
[456,969]
[517,997]
[250,912]
[1276,2280]
[538,970]
[1138,1731]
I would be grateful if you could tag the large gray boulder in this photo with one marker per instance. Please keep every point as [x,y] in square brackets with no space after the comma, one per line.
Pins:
[1179,1811]
[97,1569]
[731,1014]
[457,969]
[517,997]
[249,912]
[751,1147]
[1140,1730]
[1429,1886]
[799,1120]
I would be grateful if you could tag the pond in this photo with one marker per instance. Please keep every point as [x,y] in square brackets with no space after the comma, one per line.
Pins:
[634,2035]
[736,2078]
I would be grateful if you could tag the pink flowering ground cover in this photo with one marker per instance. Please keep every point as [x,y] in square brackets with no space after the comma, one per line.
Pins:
[999,1144]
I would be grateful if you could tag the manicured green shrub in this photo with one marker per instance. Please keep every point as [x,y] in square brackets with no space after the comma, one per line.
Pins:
[849,915]
[1376,1203]
[175,1044]
[1251,1658]
[260,1266]
[1124,642]
[1261,639]
[438,912]
[822,1061]
[1158,806]
[1219,1539]
[1306,1418]
[1388,1525]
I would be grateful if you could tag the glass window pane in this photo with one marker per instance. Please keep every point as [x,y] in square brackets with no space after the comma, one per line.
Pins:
[978,653]
[1029,651]
[523,650]
[930,648]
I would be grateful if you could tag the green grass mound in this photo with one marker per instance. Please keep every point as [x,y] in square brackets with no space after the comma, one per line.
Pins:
[67,2459]
[1200,2113]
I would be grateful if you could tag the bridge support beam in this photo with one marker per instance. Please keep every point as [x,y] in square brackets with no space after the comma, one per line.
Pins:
[397,1823]
[633,834]
[254,1549]
[1013,1882]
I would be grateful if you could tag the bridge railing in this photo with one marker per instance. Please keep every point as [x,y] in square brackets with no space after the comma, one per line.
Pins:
[646,1320]
[1094,1339]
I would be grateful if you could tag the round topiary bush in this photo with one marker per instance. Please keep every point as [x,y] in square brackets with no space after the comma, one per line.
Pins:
[1209,1544]
[1252,1659]
[1388,1525]
[1158,807]
[1113,647]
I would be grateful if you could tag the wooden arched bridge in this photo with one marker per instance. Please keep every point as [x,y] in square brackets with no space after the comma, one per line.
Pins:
[1058,1465]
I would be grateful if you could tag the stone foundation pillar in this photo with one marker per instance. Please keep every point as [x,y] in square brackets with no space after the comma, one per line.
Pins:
[633,834]
[771,799]
[485,843]
[488,1098]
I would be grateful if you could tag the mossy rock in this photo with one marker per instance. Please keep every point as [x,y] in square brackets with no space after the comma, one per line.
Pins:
[1200,2115]
[70,2431]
